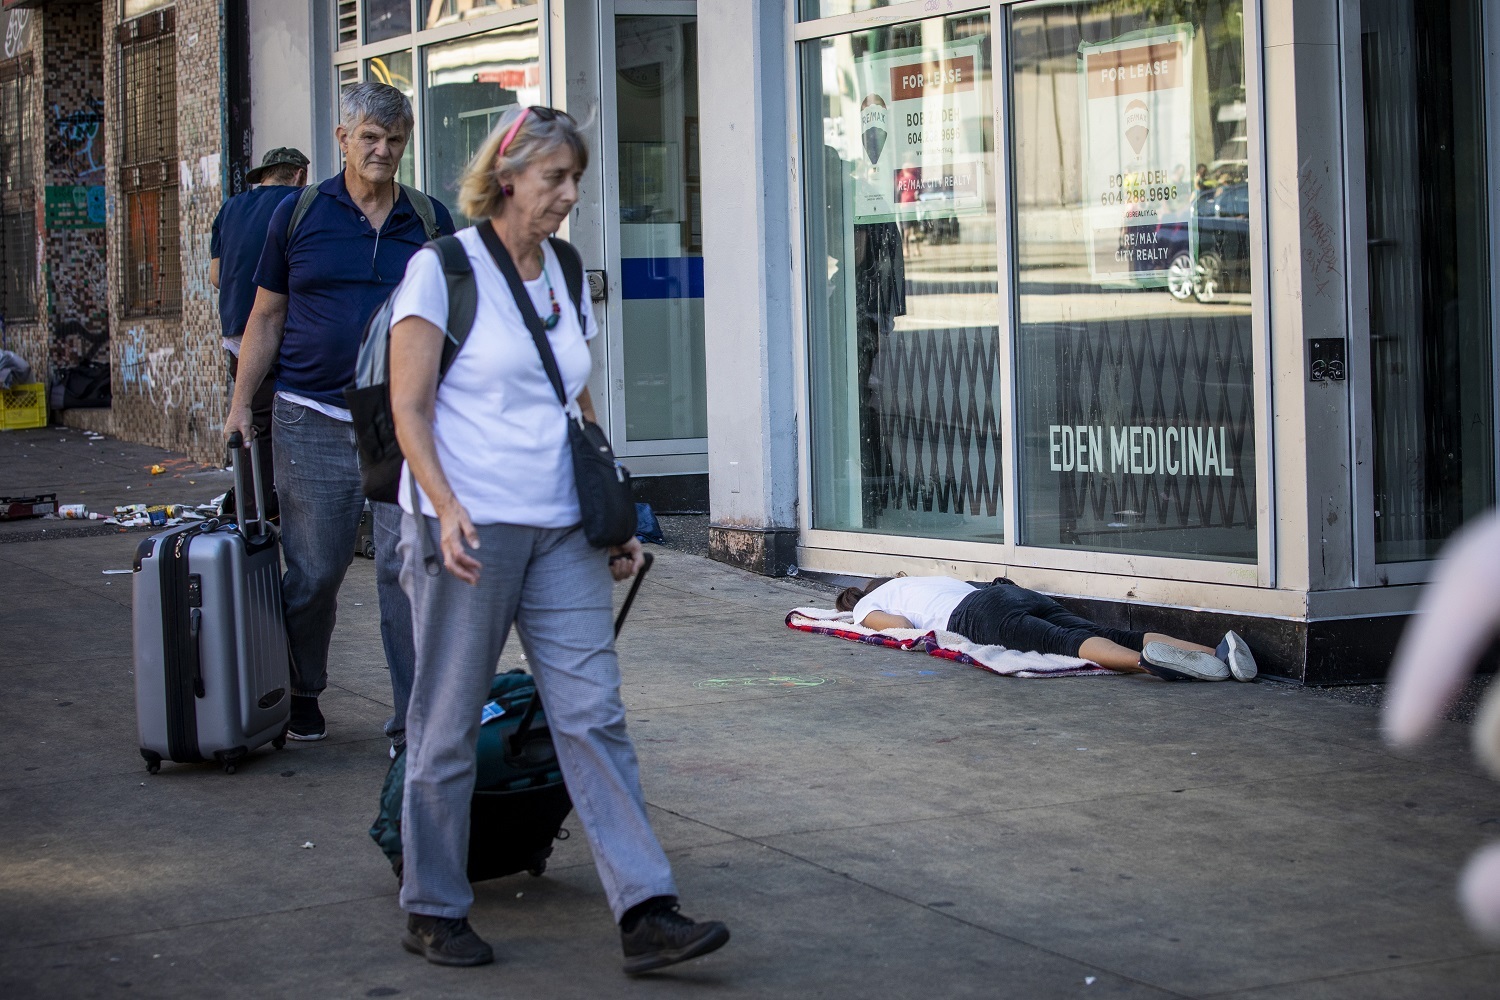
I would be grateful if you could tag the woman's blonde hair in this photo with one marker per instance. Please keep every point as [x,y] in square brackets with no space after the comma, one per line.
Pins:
[544,131]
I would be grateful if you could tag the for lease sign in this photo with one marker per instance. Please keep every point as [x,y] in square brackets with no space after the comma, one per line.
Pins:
[921,130]
[1137,152]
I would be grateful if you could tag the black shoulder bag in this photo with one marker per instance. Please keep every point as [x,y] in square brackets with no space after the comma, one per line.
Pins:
[604,496]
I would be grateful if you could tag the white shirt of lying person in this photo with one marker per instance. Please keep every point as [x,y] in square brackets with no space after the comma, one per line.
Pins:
[925,601]
[501,434]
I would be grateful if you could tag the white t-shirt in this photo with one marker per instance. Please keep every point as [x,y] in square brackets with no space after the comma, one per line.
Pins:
[925,601]
[502,436]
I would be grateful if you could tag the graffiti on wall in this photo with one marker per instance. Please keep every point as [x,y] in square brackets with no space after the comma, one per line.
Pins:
[195,283]
[17,32]
[78,285]
[163,378]
[74,132]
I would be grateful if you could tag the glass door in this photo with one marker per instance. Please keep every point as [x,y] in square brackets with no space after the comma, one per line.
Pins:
[1419,178]
[654,212]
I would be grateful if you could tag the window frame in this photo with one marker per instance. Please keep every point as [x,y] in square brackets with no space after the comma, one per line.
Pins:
[20,204]
[151,29]
[417,42]
[945,555]
[1368,572]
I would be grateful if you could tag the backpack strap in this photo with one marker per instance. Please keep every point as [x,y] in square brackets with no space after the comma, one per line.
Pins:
[299,211]
[463,301]
[425,211]
[572,266]
[463,296]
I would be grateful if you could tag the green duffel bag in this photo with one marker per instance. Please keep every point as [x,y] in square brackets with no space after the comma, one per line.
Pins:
[519,801]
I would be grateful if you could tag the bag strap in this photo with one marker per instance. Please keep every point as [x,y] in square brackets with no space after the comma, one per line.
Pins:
[463,302]
[420,203]
[304,202]
[423,206]
[463,297]
[523,302]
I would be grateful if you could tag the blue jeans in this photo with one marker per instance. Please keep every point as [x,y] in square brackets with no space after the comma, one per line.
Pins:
[317,479]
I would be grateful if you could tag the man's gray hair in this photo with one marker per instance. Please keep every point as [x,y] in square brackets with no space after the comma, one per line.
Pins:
[375,102]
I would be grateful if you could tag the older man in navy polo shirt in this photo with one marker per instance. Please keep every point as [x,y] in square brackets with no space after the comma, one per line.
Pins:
[328,263]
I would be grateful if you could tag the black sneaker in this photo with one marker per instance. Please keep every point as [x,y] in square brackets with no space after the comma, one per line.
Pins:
[445,940]
[307,721]
[663,937]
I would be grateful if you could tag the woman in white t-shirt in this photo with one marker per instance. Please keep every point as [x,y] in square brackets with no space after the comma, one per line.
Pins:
[488,467]
[1004,614]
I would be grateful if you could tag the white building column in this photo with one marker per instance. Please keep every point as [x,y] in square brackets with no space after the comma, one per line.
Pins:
[1306,218]
[748,297]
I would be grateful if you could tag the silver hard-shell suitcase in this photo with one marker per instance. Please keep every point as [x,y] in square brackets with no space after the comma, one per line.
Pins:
[212,675]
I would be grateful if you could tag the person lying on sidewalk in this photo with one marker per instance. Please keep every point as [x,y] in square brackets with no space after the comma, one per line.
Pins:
[1004,614]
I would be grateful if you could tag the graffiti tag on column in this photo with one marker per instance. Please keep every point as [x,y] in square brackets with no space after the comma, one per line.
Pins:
[76,132]
[16,33]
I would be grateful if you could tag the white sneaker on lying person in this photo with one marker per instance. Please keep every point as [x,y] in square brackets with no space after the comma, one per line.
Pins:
[1233,651]
[1173,663]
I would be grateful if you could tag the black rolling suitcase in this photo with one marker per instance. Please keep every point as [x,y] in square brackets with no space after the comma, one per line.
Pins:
[212,675]
[520,800]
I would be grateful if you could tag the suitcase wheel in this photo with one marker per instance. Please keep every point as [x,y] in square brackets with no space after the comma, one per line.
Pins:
[278,742]
[230,758]
[537,868]
[153,761]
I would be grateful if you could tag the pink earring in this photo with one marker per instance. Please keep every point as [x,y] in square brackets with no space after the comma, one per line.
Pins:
[507,189]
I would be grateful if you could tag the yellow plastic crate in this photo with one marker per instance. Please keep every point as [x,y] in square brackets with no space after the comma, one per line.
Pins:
[23,406]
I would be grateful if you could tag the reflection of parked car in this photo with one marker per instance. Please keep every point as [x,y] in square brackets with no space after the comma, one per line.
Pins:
[1221,217]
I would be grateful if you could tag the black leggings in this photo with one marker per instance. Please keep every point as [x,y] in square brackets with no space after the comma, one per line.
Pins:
[1004,614]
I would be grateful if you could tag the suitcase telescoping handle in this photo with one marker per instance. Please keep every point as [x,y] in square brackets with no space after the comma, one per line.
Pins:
[237,447]
[519,736]
[635,586]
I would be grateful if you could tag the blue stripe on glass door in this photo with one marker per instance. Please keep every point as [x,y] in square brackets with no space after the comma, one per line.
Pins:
[662,277]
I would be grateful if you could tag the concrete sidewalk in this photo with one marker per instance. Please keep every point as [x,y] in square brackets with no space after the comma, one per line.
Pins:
[871,823]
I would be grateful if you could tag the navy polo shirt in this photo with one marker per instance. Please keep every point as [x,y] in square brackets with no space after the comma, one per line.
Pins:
[335,272]
[239,235]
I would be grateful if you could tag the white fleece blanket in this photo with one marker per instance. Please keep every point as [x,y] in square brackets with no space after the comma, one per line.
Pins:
[948,645]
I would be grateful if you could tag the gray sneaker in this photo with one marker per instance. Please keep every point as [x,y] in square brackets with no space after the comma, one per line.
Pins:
[1173,663]
[1233,651]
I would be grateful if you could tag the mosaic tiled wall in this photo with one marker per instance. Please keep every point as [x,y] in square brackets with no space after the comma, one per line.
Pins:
[73,133]
[170,380]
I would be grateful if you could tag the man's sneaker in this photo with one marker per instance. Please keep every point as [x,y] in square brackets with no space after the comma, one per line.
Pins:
[445,940]
[1233,651]
[307,721]
[663,937]
[1173,663]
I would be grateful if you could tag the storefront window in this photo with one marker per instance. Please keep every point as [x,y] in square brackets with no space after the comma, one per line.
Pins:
[902,296]
[386,19]
[394,69]
[441,12]
[830,8]
[470,82]
[1134,379]
[661,227]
